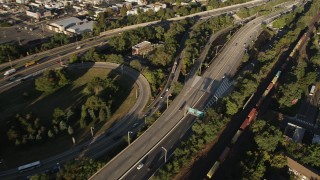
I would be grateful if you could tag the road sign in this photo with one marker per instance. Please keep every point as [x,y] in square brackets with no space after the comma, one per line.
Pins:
[196,112]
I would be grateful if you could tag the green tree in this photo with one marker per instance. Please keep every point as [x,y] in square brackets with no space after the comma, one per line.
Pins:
[231,106]
[136,65]
[50,134]
[312,155]
[278,161]
[69,114]
[99,87]
[114,58]
[62,125]
[70,130]
[92,114]
[41,176]
[123,11]
[108,113]
[83,117]
[267,136]
[58,115]
[91,55]
[8,51]
[56,129]
[12,134]
[91,13]
[102,115]
[79,169]
[51,80]
[253,166]
[94,103]
[73,58]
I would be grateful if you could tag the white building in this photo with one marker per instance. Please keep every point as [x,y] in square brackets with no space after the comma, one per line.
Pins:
[133,11]
[22,1]
[157,6]
[71,25]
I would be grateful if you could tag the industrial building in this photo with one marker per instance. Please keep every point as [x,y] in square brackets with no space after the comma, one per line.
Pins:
[142,48]
[71,25]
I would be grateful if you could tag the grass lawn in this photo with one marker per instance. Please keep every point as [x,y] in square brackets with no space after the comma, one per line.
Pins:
[24,98]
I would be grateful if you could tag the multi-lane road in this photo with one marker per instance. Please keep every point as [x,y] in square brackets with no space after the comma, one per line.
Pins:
[128,159]
[101,143]
[96,41]
[155,142]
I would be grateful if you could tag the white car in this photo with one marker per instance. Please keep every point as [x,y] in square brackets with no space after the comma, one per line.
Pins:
[79,47]
[140,166]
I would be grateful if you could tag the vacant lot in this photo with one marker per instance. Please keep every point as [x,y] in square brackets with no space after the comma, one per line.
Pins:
[24,99]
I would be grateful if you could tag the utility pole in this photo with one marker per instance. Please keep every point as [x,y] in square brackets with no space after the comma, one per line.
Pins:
[217,47]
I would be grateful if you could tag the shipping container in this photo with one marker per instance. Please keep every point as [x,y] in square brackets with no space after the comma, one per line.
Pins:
[224,154]
[213,169]
[236,136]
[266,92]
[245,124]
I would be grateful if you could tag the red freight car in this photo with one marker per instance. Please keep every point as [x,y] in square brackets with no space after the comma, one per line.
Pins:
[252,115]
[245,124]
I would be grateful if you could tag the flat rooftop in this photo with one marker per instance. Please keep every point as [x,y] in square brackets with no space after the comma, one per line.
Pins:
[66,22]
[83,27]
[142,44]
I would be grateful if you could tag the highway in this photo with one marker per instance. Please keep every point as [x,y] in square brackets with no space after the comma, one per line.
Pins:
[197,89]
[100,143]
[96,41]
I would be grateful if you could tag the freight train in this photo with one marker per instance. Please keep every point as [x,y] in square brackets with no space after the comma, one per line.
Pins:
[254,112]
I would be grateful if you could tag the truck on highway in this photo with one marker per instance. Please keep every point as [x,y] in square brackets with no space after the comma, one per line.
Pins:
[10,71]
[30,63]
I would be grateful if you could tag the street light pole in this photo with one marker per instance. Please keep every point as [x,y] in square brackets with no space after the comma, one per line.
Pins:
[217,47]
[165,154]
[129,137]
[92,128]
